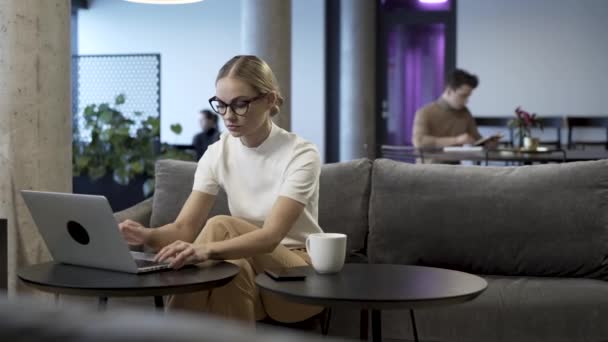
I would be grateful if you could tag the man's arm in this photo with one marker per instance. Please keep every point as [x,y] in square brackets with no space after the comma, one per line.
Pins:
[472,128]
[473,131]
[431,141]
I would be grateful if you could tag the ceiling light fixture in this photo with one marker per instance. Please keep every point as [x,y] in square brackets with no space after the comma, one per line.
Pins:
[164,2]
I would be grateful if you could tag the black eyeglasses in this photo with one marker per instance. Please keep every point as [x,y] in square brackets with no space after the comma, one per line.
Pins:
[238,107]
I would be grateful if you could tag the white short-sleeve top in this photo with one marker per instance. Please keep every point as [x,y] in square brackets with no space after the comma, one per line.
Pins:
[253,178]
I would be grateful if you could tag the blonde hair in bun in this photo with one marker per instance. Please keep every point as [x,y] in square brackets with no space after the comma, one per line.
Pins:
[255,72]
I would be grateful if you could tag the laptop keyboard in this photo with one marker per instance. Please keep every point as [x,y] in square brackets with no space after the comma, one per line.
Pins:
[147,263]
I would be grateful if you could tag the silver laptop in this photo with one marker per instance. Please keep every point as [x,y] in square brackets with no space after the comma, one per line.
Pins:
[81,230]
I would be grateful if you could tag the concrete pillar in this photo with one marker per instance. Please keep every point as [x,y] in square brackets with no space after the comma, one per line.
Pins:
[266,32]
[35,118]
[357,79]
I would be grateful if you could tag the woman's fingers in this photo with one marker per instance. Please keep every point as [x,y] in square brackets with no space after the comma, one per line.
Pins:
[127,233]
[161,255]
[132,232]
[170,250]
[126,227]
[182,258]
[130,224]
[133,225]
[180,253]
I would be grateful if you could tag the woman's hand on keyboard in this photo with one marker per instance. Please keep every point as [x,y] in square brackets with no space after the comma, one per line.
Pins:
[180,253]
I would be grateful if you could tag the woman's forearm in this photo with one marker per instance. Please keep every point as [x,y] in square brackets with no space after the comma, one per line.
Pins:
[162,236]
[281,219]
[244,246]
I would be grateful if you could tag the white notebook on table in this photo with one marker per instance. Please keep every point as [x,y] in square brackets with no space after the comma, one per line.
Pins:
[463,149]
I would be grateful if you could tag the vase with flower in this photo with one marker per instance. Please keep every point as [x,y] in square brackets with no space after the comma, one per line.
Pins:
[522,123]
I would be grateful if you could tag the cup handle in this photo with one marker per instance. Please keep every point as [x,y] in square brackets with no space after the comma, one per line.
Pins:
[308,245]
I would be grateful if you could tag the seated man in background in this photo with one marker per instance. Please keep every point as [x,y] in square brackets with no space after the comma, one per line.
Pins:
[447,121]
[209,135]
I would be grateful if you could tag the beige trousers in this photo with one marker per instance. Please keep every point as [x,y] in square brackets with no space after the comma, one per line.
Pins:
[241,299]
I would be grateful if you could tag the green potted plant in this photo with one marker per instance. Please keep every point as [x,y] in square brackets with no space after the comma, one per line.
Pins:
[109,145]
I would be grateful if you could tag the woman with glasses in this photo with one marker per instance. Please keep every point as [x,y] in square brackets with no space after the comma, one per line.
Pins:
[271,178]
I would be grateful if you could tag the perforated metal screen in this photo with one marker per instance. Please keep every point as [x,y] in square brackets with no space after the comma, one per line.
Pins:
[100,78]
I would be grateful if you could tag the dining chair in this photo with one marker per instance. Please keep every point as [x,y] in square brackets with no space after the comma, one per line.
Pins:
[553,122]
[587,122]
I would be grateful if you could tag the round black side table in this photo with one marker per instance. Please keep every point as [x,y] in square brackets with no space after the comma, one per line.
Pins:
[60,278]
[378,287]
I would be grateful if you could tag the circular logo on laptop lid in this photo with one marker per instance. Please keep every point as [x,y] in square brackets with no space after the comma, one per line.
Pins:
[78,233]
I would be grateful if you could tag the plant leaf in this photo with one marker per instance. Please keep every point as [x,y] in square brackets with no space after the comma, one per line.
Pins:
[89,110]
[136,167]
[83,162]
[97,171]
[103,107]
[176,128]
[106,116]
[120,99]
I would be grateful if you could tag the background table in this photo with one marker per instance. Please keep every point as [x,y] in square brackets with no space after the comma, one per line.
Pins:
[410,154]
[379,287]
[60,278]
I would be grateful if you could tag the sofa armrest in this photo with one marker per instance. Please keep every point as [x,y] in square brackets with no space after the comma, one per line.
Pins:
[141,212]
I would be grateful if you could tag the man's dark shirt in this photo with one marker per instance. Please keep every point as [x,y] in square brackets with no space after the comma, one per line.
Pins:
[203,139]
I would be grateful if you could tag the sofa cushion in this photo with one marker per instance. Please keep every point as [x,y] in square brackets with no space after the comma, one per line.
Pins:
[173,185]
[522,309]
[344,200]
[543,220]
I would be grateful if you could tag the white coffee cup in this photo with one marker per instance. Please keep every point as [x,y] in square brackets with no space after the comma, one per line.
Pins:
[327,251]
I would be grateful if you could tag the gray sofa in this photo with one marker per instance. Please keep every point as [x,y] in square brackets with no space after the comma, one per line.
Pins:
[537,234]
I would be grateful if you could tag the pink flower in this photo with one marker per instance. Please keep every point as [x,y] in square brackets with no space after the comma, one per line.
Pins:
[527,118]
[518,111]
[524,118]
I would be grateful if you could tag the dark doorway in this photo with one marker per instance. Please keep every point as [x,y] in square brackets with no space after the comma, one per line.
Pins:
[416,48]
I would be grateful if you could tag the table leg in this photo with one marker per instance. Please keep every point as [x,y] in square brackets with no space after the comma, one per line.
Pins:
[376,326]
[325,321]
[102,304]
[364,325]
[56,299]
[414,329]
[159,304]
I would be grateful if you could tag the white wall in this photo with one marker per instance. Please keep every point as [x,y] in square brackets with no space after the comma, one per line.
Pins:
[194,41]
[550,56]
